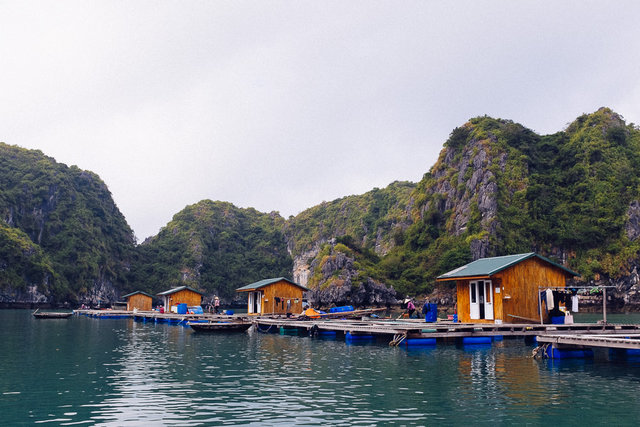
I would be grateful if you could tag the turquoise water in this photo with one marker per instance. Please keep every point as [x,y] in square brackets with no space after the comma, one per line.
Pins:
[85,371]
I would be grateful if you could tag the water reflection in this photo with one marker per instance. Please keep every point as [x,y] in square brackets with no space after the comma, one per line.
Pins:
[117,372]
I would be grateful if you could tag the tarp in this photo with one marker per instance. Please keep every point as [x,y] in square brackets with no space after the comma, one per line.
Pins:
[310,312]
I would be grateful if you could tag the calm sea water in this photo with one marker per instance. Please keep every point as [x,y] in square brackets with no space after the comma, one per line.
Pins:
[85,371]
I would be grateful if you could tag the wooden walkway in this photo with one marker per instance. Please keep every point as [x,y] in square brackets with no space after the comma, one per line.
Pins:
[420,329]
[624,336]
[627,342]
[155,316]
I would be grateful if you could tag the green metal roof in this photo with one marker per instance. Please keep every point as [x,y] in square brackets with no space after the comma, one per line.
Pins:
[137,292]
[490,266]
[178,289]
[266,282]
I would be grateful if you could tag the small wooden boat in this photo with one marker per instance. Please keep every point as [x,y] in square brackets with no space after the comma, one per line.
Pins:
[52,314]
[221,326]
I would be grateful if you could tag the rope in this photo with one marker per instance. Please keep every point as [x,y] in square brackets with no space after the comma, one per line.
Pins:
[397,339]
[264,331]
[540,352]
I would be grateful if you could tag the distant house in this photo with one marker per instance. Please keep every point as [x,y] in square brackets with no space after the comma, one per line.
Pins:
[180,295]
[273,296]
[506,288]
[139,300]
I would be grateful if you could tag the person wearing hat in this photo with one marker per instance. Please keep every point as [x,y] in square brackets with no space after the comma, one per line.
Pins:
[216,305]
[411,308]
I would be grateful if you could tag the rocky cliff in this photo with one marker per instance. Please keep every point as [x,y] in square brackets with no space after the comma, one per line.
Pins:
[371,220]
[342,276]
[497,188]
[476,170]
[63,238]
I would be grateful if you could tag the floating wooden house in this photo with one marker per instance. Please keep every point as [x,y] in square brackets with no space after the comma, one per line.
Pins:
[180,295]
[274,296]
[139,300]
[505,289]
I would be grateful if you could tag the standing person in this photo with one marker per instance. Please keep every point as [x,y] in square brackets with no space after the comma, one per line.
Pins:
[411,308]
[216,305]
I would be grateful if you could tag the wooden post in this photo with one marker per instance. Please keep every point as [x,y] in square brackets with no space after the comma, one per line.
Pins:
[604,305]
[539,305]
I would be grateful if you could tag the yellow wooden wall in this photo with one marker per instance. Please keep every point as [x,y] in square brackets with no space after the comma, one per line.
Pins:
[185,296]
[139,301]
[518,291]
[285,291]
[463,304]
[521,283]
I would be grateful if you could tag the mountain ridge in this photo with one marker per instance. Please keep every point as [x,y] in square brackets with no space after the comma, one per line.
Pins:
[497,188]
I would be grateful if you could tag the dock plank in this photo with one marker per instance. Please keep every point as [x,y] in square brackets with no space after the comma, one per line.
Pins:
[444,329]
[601,341]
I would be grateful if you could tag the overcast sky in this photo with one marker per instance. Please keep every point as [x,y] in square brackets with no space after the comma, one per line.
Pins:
[280,105]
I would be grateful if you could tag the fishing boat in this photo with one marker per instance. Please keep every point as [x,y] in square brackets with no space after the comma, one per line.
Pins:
[220,326]
[52,314]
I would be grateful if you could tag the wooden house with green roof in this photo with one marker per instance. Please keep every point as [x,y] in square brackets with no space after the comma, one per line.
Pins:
[180,295]
[274,296]
[139,300]
[505,289]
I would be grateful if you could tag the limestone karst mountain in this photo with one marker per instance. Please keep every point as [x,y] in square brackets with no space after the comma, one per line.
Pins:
[497,188]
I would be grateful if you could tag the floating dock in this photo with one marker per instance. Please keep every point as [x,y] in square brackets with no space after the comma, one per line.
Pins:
[626,342]
[155,316]
[411,331]
[583,346]
[397,331]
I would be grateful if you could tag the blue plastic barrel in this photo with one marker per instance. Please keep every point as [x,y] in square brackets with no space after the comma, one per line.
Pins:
[182,308]
[416,342]
[476,340]
[621,353]
[555,353]
[341,309]
[349,337]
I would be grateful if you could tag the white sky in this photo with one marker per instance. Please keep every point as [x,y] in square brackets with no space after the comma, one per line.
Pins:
[279,105]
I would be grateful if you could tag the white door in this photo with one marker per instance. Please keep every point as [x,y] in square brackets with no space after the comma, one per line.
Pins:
[258,302]
[488,300]
[251,302]
[254,303]
[481,300]
[473,300]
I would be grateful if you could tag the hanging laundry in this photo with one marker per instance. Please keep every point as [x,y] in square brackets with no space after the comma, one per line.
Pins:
[574,303]
[550,304]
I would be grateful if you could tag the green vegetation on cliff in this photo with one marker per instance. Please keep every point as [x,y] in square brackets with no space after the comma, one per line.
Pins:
[497,188]
[371,219]
[215,247]
[23,263]
[582,184]
[68,217]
